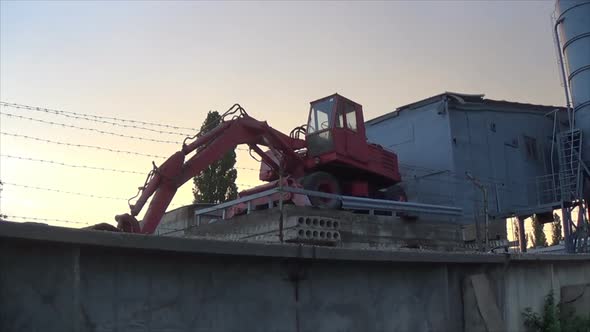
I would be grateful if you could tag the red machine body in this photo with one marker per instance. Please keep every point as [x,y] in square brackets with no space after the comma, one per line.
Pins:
[334,157]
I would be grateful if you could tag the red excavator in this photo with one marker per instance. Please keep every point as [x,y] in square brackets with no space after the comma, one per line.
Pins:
[333,157]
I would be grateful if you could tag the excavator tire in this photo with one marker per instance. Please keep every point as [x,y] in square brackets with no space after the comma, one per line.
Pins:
[397,193]
[324,182]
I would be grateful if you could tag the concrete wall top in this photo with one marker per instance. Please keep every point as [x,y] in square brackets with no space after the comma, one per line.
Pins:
[64,236]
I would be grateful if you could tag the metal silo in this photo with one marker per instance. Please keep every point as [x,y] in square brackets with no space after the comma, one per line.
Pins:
[573,24]
[572,33]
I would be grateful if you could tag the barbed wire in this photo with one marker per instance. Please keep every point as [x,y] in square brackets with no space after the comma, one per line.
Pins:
[86,118]
[62,191]
[96,147]
[99,131]
[7,216]
[248,186]
[104,132]
[70,165]
[162,125]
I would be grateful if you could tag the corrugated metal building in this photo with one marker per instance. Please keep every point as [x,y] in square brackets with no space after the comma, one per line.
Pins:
[506,146]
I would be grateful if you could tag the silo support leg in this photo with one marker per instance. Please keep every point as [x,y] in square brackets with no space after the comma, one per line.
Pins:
[521,234]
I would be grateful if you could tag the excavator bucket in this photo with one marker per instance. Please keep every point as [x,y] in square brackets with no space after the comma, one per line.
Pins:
[125,223]
[103,227]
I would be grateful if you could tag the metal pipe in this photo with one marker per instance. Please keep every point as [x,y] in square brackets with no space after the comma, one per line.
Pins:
[567,230]
[568,104]
[553,138]
[485,210]
[349,202]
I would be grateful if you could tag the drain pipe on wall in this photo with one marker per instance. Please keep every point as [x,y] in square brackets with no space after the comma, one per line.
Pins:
[485,210]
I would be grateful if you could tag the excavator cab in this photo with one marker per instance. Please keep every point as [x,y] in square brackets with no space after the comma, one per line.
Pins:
[336,131]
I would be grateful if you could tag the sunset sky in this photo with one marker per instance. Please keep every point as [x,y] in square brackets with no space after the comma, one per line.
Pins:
[171,62]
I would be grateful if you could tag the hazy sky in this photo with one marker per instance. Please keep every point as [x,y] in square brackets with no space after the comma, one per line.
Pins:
[171,62]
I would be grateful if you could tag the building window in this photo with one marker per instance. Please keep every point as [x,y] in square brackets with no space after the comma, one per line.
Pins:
[530,144]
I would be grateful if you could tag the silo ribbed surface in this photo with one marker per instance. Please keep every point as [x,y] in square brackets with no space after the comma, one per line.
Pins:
[575,44]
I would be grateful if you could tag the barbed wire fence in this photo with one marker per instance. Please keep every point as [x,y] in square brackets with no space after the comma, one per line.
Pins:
[94,116]
[96,120]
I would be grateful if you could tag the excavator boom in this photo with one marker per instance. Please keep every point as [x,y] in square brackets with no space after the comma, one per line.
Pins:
[211,146]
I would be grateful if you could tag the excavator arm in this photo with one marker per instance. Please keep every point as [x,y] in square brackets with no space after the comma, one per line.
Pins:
[164,181]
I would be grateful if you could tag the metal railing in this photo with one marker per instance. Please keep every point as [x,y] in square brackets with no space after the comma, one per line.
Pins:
[347,203]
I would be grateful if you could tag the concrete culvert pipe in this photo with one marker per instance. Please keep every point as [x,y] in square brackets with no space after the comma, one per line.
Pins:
[322,222]
[322,235]
[300,221]
[315,234]
[336,224]
[336,235]
[329,223]
[329,235]
[301,232]
[307,221]
[315,222]
[308,233]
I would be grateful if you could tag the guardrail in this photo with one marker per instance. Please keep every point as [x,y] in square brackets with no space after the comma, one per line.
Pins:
[348,203]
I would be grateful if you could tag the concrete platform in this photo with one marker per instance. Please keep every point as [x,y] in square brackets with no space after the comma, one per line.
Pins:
[356,230]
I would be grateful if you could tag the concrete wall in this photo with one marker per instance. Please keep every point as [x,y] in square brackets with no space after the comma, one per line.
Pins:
[55,279]
[177,221]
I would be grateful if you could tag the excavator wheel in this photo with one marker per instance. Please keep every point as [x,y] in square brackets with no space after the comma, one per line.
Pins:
[397,193]
[324,182]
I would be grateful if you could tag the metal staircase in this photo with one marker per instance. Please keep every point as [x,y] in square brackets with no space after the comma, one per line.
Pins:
[570,177]
[570,168]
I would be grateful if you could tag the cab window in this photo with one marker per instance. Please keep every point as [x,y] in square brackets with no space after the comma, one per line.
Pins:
[320,116]
[350,117]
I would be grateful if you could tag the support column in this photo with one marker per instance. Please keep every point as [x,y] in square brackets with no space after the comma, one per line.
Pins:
[521,233]
[566,219]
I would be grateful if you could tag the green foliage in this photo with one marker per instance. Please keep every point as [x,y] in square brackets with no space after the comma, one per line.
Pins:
[553,319]
[550,314]
[217,182]
[556,227]
[533,322]
[539,238]
[515,229]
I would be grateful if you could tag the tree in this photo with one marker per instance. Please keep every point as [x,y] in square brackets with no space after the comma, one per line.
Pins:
[515,229]
[539,238]
[216,183]
[556,227]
